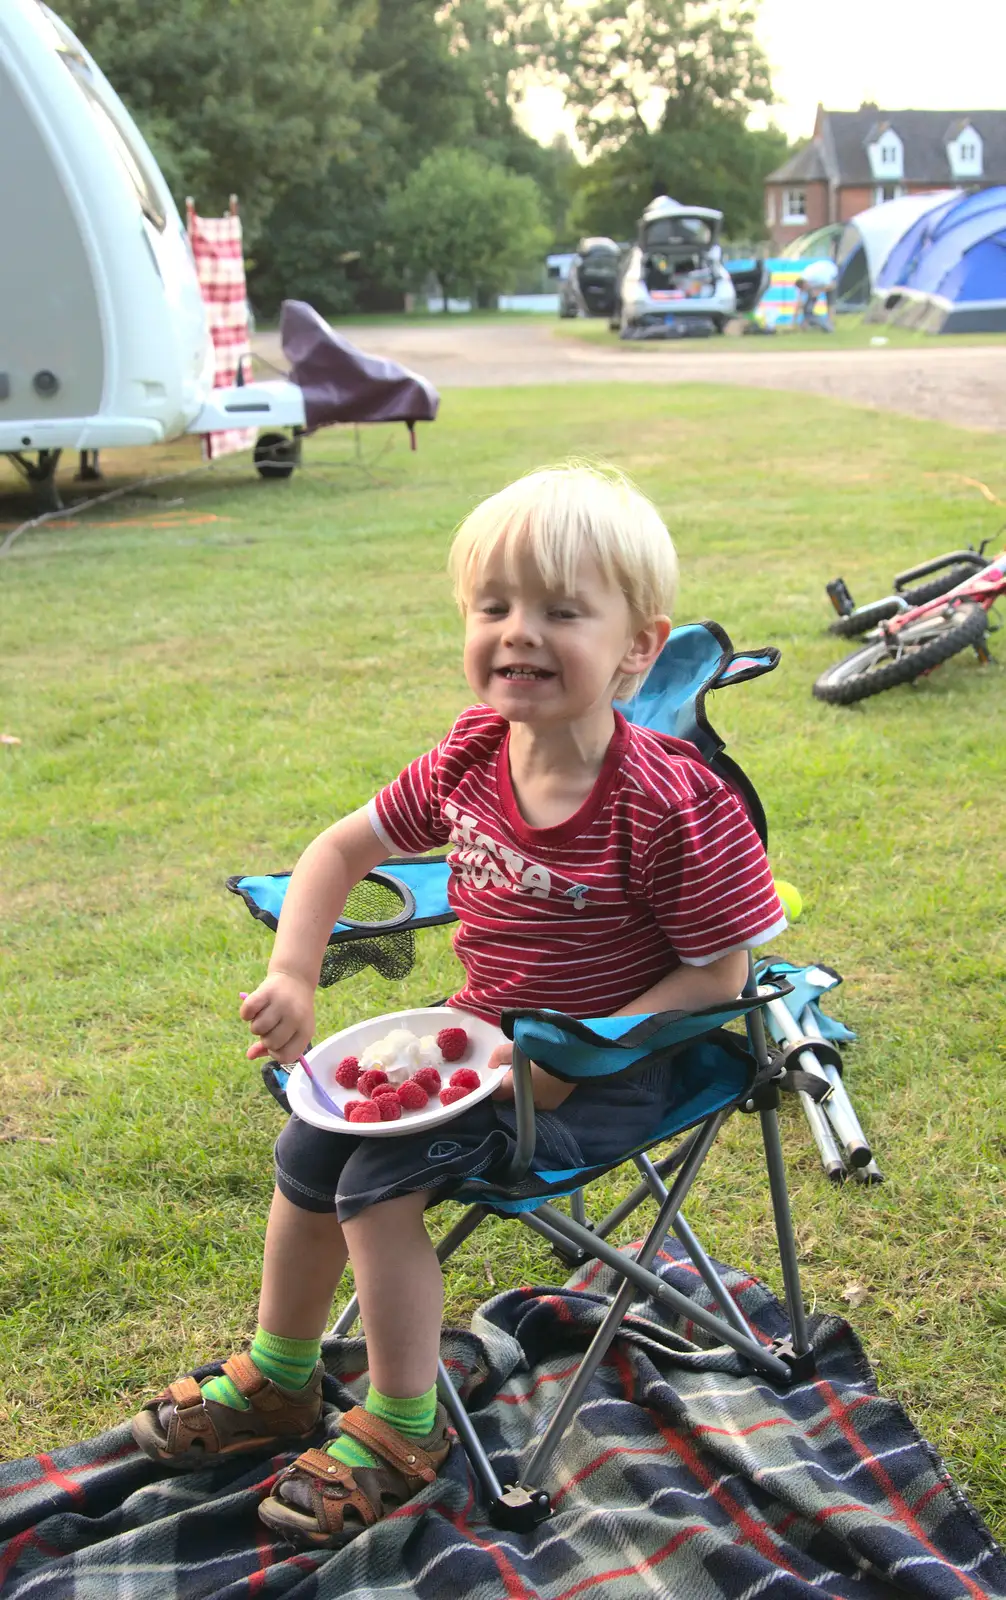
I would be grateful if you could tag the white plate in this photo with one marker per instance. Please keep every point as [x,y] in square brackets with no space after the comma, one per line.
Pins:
[483,1037]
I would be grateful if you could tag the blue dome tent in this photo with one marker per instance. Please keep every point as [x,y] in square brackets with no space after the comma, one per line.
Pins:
[906,252]
[949,274]
[868,240]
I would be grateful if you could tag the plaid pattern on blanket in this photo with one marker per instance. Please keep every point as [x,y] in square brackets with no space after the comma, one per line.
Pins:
[681,1476]
[219,256]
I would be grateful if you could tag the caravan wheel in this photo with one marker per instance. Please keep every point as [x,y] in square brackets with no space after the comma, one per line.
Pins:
[275,455]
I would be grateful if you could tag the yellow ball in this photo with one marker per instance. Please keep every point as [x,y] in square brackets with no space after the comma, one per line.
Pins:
[792,899]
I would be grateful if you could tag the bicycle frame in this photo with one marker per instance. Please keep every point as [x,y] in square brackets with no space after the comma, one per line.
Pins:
[986,587]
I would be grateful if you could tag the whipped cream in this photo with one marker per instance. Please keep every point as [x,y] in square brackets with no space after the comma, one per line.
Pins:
[400,1054]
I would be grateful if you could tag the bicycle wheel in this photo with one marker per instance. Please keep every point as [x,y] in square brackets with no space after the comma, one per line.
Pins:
[866,617]
[915,650]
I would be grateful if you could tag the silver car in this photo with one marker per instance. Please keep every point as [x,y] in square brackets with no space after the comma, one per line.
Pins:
[673,283]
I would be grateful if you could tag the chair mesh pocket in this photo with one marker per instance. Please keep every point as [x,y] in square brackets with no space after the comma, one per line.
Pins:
[392,955]
[376,901]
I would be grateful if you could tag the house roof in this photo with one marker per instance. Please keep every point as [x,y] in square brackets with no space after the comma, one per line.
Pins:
[839,153]
[804,166]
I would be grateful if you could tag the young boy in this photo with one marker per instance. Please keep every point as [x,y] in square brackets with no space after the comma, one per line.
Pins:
[597,868]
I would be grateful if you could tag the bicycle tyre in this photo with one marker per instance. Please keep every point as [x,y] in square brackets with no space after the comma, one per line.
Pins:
[866,617]
[926,644]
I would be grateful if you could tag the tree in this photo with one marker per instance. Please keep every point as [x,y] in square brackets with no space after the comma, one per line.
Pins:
[664,90]
[470,223]
[236,96]
[719,163]
[649,64]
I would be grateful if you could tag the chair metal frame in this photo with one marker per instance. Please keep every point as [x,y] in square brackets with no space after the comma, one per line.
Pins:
[523,1504]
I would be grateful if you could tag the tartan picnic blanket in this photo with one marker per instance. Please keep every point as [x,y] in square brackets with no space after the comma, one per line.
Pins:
[218,252]
[682,1475]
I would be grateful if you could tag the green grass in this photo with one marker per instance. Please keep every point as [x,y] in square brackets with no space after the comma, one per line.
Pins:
[851,333]
[392,319]
[199,689]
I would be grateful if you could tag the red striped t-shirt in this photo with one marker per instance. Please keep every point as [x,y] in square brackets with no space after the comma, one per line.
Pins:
[660,865]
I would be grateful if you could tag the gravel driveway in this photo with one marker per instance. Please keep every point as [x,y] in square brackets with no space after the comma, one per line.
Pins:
[964,385]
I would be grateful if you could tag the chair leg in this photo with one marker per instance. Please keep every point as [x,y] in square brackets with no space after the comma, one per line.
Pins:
[801,1359]
[633,1200]
[787,1243]
[451,1241]
[514,1507]
[701,1262]
[638,1275]
[711,1278]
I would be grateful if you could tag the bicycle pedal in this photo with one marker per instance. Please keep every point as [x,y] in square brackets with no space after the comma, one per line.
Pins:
[840,597]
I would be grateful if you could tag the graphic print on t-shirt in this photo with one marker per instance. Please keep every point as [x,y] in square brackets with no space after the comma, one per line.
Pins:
[482,860]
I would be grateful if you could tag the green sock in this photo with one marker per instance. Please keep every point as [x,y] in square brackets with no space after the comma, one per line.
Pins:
[414,1418]
[288,1362]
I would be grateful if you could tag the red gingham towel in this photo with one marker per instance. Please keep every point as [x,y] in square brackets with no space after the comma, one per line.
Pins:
[219,257]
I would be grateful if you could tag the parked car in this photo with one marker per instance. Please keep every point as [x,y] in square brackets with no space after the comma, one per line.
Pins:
[673,283]
[588,290]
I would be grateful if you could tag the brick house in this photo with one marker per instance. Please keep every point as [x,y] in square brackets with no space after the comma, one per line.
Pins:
[858,158]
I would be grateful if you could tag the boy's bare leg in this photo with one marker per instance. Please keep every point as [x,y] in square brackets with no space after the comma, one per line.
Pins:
[305,1256]
[401,1290]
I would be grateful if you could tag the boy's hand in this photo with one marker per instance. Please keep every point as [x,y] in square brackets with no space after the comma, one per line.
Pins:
[548,1092]
[281,1012]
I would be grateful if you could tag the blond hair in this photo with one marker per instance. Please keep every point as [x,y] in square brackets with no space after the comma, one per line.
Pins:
[560,516]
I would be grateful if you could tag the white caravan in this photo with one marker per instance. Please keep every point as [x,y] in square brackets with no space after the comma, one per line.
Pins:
[103,336]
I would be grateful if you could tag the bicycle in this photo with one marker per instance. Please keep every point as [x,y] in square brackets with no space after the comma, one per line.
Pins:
[914,630]
[953,569]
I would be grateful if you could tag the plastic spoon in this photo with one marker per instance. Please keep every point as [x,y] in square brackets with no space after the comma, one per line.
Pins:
[327,1102]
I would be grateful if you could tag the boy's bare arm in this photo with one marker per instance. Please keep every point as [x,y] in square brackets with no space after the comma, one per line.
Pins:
[693,988]
[686,989]
[281,1010]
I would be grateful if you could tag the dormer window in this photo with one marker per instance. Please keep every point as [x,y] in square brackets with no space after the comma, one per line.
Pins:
[887,154]
[965,153]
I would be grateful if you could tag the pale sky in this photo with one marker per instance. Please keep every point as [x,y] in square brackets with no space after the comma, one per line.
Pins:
[921,53]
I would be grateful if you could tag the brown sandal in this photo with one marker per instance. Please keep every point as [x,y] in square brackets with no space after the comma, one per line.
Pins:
[322,1502]
[182,1427]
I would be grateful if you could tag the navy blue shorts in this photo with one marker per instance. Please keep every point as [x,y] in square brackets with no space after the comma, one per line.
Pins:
[598,1125]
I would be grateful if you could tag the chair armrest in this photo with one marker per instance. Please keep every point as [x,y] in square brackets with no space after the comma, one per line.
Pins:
[523,1100]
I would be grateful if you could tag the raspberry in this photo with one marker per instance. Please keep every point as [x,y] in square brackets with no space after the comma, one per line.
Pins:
[364,1111]
[347,1072]
[389,1107]
[351,1106]
[412,1095]
[465,1078]
[454,1091]
[428,1078]
[452,1043]
[367,1081]
[384,1091]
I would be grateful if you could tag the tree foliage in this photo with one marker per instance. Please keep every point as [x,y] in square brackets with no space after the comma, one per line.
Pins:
[236,96]
[669,64]
[719,163]
[470,223]
[321,115]
[664,91]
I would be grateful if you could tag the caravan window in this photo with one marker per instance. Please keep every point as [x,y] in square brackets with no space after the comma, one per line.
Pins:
[116,132]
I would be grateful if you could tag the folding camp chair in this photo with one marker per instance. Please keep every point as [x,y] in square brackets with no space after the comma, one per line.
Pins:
[715,1072]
